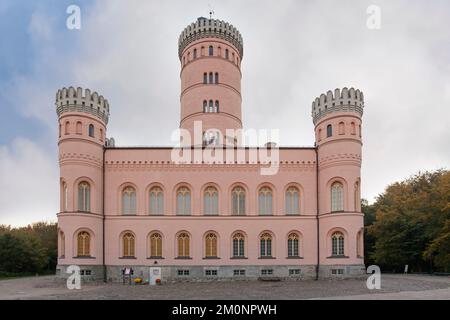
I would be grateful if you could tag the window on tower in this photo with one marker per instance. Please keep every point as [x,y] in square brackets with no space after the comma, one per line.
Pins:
[227,54]
[211,79]
[205,106]
[205,78]
[195,53]
[216,78]
[329,131]
[216,108]
[91,130]
[211,51]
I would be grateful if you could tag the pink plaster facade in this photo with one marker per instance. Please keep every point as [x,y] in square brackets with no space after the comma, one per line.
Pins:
[87,157]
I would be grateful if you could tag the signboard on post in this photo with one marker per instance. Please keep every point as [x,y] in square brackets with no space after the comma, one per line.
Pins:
[155,275]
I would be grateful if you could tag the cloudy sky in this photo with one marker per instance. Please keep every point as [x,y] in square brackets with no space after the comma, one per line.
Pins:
[294,50]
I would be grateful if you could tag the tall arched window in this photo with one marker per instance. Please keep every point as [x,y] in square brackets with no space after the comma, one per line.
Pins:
[329,130]
[195,53]
[83,244]
[337,197]
[353,128]
[62,244]
[227,54]
[205,78]
[216,78]
[79,128]
[293,244]
[211,51]
[205,106]
[128,245]
[211,106]
[84,197]
[211,201]
[319,135]
[359,244]
[238,201]
[183,201]
[155,245]
[91,130]
[266,245]
[183,245]
[357,197]
[211,78]
[341,128]
[292,201]
[156,206]
[129,201]
[265,201]
[64,197]
[216,109]
[238,245]
[211,245]
[67,127]
[337,244]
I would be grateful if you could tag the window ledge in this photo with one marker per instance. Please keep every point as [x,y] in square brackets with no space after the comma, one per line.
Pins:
[338,257]
[238,258]
[211,258]
[266,258]
[294,257]
[127,258]
[183,258]
[156,258]
[84,257]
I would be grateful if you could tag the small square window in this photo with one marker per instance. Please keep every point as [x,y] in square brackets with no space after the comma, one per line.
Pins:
[211,272]
[294,272]
[266,272]
[182,272]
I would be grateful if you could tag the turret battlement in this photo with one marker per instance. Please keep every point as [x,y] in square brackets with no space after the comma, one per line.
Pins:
[347,100]
[79,100]
[210,28]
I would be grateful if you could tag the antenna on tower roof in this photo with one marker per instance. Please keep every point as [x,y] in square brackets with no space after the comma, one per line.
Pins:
[211,11]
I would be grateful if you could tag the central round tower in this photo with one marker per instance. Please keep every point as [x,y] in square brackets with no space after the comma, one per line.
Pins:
[210,53]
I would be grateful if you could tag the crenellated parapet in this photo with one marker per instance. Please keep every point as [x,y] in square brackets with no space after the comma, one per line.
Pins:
[210,28]
[79,100]
[347,100]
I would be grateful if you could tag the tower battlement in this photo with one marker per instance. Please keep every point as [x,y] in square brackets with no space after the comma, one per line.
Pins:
[79,100]
[347,100]
[210,28]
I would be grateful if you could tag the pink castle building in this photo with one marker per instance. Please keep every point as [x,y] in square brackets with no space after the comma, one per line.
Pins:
[139,208]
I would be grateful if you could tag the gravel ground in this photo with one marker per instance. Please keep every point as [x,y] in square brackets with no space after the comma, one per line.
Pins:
[392,287]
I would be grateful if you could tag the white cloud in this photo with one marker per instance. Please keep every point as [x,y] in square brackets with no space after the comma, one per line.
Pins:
[29,183]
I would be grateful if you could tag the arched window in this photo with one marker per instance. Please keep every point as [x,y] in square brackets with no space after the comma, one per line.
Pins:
[337,197]
[205,106]
[205,78]
[211,201]
[359,244]
[238,245]
[357,197]
[293,244]
[129,201]
[341,128]
[183,245]
[84,197]
[292,201]
[67,128]
[216,109]
[62,244]
[211,245]
[183,201]
[360,131]
[227,54]
[128,245]
[353,128]
[83,244]
[202,51]
[238,201]
[195,53]
[265,201]
[101,134]
[211,106]
[155,245]
[329,130]
[79,128]
[211,78]
[319,135]
[64,197]
[266,245]
[337,244]
[156,206]
[211,51]
[91,130]
[216,78]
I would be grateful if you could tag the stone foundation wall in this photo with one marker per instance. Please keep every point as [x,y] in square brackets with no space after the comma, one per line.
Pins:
[221,273]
